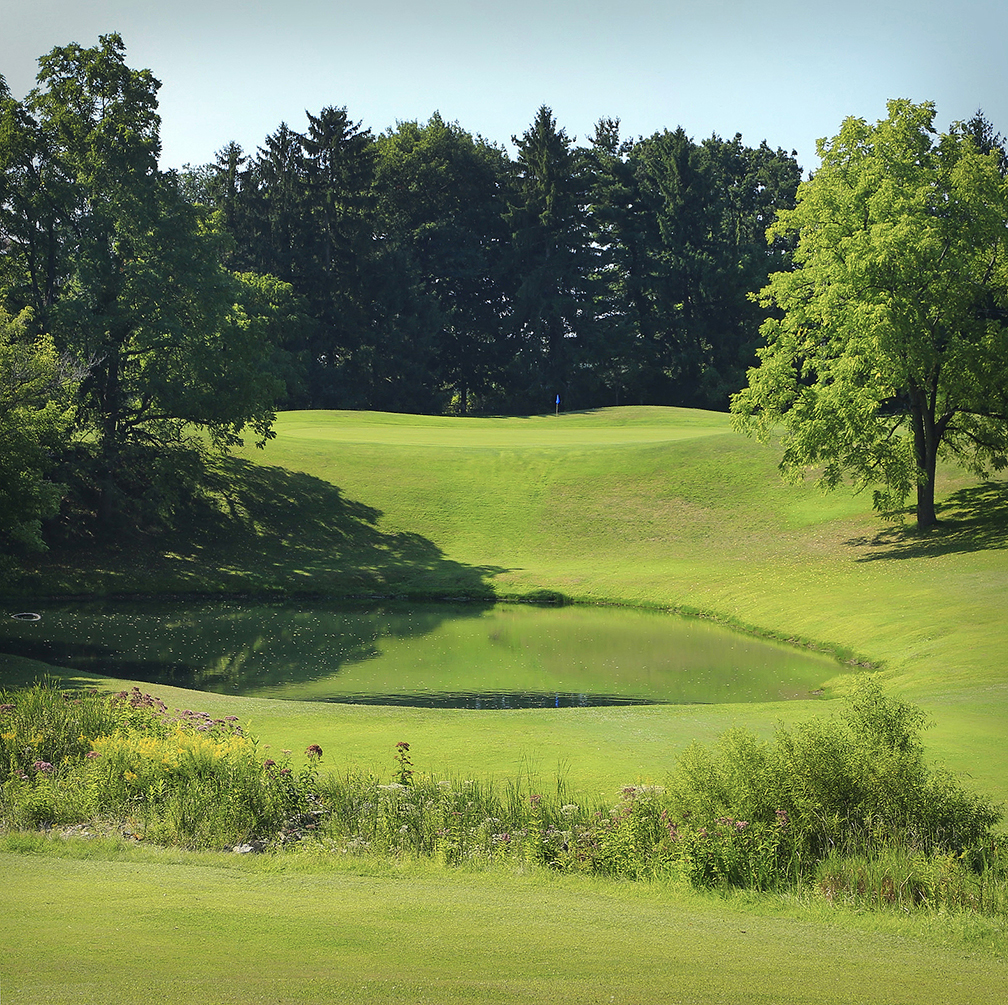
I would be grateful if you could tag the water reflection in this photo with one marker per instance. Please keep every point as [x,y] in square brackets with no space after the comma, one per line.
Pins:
[463,656]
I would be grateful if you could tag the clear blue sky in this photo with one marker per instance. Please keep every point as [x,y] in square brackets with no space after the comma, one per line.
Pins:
[787,71]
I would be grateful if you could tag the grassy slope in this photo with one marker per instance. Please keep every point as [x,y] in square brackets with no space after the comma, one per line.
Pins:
[649,506]
[667,507]
[655,506]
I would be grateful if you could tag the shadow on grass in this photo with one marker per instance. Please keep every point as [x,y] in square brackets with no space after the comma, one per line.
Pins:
[972,519]
[298,531]
[253,529]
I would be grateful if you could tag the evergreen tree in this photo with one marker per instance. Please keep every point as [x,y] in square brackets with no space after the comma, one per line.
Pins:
[553,263]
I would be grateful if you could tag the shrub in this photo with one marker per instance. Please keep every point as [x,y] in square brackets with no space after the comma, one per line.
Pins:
[174,777]
[849,786]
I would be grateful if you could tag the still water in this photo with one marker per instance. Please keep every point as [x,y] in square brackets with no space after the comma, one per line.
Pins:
[462,656]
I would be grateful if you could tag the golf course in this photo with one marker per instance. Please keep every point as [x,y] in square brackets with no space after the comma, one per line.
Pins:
[662,509]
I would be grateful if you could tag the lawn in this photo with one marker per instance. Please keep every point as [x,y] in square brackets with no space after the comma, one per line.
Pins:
[207,929]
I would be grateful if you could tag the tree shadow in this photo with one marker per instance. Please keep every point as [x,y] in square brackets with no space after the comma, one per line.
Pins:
[971,519]
[237,527]
[300,533]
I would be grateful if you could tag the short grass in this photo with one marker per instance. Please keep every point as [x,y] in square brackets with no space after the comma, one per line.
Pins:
[101,923]
[662,508]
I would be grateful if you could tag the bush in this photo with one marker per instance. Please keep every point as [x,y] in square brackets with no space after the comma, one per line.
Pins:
[849,786]
[174,777]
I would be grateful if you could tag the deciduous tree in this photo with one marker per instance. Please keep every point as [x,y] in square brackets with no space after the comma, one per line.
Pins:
[118,267]
[891,343]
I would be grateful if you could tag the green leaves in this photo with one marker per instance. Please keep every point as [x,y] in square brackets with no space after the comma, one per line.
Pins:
[37,387]
[892,344]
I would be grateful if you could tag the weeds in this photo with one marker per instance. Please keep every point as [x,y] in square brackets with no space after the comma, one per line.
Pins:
[127,761]
[845,807]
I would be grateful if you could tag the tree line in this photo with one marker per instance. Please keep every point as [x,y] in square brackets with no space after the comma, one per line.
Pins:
[435,273]
[425,269]
[420,269]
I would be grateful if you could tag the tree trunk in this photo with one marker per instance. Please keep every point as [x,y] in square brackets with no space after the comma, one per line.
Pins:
[925,500]
[926,438]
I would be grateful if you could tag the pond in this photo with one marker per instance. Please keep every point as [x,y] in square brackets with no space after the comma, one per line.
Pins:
[433,655]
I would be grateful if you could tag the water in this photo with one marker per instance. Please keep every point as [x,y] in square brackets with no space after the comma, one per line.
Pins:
[460,656]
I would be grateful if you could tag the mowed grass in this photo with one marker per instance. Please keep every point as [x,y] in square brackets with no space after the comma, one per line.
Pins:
[101,924]
[663,508]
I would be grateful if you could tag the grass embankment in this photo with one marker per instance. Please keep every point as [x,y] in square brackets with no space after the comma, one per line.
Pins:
[651,506]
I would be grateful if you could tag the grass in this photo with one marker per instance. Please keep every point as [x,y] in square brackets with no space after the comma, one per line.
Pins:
[662,508]
[665,508]
[126,923]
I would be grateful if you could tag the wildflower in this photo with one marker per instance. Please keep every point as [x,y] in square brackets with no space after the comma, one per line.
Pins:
[782,818]
[91,754]
[535,799]
[269,762]
[741,825]
[403,746]
[6,707]
[43,767]
[314,751]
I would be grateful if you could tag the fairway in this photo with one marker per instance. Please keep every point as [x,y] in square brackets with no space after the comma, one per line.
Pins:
[660,508]
[217,929]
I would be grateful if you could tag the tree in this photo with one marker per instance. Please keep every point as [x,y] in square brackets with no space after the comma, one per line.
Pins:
[619,226]
[553,260]
[37,387]
[706,210]
[441,195]
[118,266]
[891,346]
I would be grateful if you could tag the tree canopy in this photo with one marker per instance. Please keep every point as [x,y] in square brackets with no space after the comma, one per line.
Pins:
[890,347]
[37,388]
[117,267]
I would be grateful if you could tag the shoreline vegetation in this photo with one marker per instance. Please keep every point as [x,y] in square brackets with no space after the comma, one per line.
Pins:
[842,808]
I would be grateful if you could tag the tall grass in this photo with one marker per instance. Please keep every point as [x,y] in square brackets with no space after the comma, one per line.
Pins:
[846,807]
[127,761]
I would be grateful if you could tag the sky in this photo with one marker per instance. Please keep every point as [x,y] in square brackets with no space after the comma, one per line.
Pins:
[787,71]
